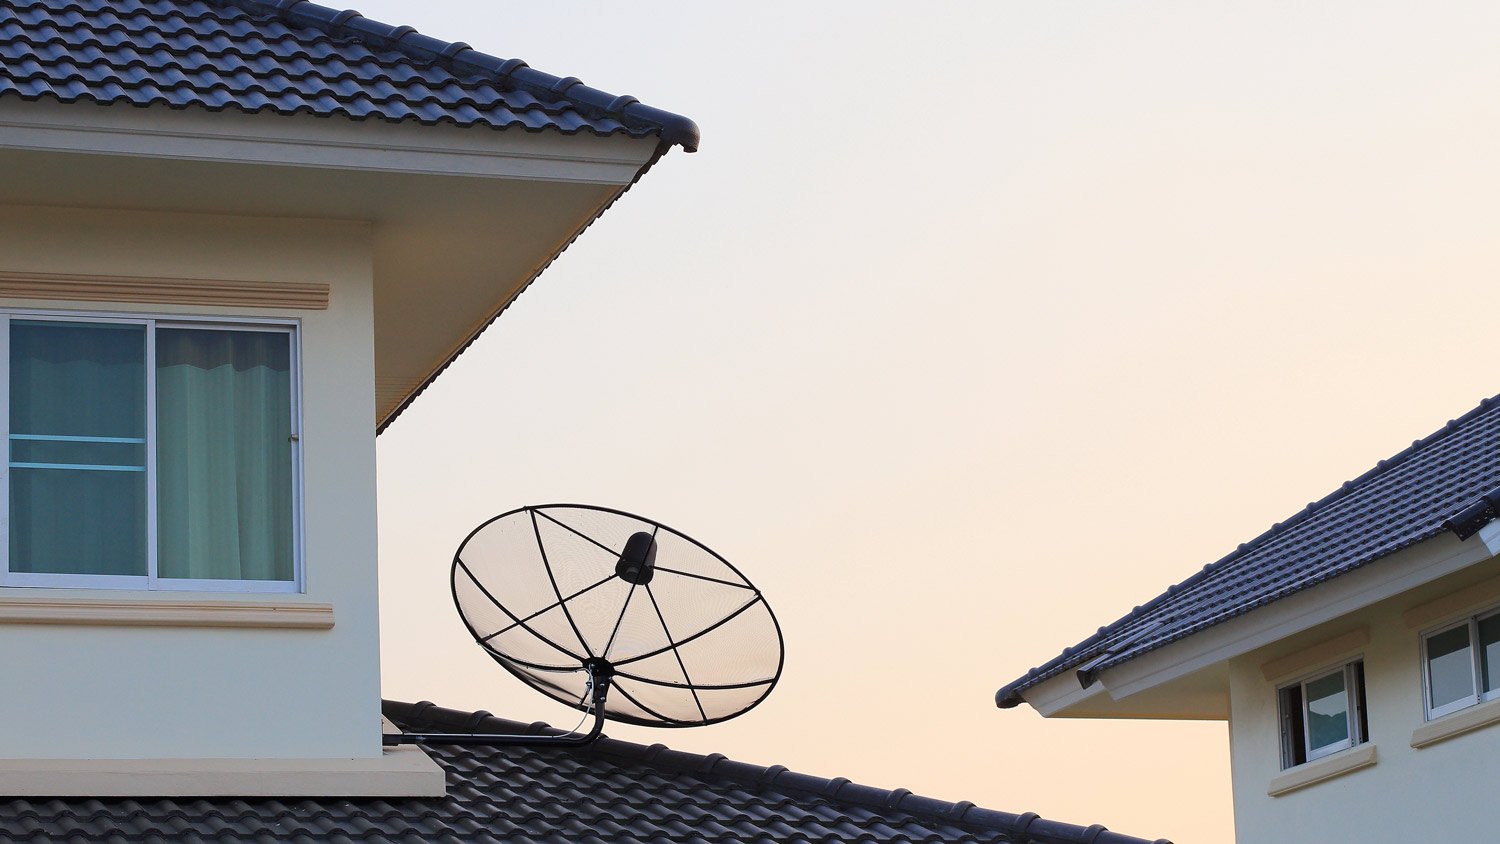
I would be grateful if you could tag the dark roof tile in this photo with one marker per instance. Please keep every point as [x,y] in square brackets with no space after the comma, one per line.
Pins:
[292,56]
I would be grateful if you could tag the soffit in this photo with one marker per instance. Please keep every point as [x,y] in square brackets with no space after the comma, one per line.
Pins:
[450,251]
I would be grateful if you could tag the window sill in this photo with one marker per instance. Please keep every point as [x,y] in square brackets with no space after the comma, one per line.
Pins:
[1457,723]
[165,613]
[1308,773]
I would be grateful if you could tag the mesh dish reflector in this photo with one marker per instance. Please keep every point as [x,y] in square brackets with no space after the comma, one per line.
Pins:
[543,589]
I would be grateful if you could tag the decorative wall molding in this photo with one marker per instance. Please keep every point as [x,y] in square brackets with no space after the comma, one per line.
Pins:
[164,291]
[1453,604]
[161,613]
[1316,656]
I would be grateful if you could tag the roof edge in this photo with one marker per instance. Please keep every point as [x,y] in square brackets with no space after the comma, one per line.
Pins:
[1009,695]
[1037,830]
[673,128]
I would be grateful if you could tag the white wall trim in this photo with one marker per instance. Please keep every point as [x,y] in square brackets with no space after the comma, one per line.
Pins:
[1353,759]
[158,613]
[397,772]
[327,142]
[1457,723]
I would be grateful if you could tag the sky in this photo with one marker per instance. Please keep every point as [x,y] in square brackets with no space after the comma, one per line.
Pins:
[971,326]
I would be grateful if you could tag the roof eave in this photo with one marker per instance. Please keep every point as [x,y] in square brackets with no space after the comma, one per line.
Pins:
[1118,680]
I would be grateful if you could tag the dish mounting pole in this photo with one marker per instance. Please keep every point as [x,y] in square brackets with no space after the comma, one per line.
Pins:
[601,674]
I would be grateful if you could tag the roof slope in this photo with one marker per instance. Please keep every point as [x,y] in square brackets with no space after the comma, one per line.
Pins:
[292,56]
[622,791]
[1402,501]
[613,791]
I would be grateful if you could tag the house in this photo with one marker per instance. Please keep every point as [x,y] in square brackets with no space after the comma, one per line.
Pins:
[1353,649]
[237,239]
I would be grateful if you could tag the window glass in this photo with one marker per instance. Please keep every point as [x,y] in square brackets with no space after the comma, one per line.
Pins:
[224,454]
[1450,667]
[1327,711]
[1489,652]
[77,448]
[1323,715]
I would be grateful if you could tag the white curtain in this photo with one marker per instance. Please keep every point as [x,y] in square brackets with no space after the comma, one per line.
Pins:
[224,454]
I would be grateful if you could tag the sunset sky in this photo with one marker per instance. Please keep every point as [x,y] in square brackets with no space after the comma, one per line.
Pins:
[971,326]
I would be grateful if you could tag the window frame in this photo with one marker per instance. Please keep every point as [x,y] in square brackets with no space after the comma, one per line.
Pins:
[151,582]
[1354,693]
[1477,694]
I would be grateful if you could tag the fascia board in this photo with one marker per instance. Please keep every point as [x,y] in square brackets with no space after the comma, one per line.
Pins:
[1490,536]
[323,142]
[1058,694]
[1423,563]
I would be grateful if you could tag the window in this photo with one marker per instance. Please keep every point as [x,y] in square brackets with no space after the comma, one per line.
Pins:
[1461,664]
[150,454]
[1322,714]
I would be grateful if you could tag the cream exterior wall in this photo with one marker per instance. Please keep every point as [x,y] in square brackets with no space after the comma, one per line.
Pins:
[145,692]
[1441,792]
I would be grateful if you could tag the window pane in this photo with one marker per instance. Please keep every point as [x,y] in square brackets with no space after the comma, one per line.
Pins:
[224,454]
[80,390]
[77,379]
[1327,711]
[1489,651]
[1450,667]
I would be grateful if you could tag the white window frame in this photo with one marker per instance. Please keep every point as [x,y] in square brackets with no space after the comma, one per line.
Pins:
[1354,693]
[151,582]
[1477,694]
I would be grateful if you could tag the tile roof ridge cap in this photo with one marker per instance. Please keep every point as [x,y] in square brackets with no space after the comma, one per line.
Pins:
[675,128]
[1009,695]
[841,789]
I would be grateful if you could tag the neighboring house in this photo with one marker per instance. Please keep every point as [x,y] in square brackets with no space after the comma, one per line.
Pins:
[237,238]
[1354,650]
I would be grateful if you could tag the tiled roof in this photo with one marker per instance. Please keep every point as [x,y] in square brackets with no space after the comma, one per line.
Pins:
[1402,501]
[612,791]
[292,56]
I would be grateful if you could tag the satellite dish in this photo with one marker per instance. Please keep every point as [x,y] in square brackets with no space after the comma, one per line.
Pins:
[577,601]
